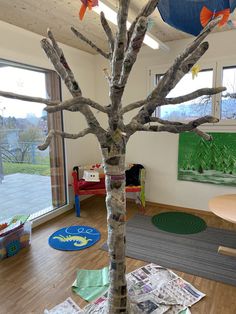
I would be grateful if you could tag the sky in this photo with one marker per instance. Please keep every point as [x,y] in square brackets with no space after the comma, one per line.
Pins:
[25,82]
[188,84]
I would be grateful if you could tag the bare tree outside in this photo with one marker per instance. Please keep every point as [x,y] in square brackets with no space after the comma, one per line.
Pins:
[124,48]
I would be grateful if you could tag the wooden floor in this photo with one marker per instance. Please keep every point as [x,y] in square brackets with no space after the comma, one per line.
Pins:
[41,277]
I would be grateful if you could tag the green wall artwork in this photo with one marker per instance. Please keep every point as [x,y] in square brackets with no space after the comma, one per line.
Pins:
[210,162]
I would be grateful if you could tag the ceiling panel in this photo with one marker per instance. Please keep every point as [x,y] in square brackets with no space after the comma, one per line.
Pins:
[60,15]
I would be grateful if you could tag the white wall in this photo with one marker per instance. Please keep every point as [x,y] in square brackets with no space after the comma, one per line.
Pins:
[23,46]
[159,152]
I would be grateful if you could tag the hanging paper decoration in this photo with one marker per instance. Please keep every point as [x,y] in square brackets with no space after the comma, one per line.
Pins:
[150,24]
[191,16]
[86,4]
[207,15]
[195,69]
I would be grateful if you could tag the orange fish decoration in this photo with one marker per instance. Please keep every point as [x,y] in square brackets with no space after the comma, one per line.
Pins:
[207,15]
[86,4]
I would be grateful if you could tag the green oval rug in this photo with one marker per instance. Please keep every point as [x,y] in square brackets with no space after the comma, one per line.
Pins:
[179,222]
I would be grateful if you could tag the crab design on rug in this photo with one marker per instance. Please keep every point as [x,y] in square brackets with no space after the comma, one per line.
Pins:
[74,238]
[78,240]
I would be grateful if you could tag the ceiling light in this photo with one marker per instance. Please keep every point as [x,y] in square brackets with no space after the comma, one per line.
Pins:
[111,16]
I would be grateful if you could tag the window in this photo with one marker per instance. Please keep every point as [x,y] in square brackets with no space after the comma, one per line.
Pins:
[192,109]
[31,182]
[228,104]
[222,106]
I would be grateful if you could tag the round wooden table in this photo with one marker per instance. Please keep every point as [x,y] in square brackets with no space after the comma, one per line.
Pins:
[224,206]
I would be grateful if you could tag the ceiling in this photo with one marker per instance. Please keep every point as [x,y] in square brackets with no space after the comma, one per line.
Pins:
[37,15]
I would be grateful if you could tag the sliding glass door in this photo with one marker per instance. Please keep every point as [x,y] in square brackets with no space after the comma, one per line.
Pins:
[32,182]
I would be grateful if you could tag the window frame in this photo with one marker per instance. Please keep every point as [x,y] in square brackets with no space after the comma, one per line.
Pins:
[225,63]
[217,67]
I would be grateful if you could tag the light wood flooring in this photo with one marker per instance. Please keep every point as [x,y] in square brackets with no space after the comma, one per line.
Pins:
[41,277]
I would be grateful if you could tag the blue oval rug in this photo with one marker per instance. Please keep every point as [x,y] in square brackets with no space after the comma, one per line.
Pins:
[74,238]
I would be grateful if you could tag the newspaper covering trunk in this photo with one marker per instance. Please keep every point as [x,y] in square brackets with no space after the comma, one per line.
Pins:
[124,47]
[116,217]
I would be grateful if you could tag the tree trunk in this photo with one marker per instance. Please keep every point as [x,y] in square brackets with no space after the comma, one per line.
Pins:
[116,220]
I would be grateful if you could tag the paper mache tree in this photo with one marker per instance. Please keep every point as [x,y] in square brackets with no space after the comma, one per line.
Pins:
[124,48]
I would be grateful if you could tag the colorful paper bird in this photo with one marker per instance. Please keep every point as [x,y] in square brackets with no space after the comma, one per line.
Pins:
[195,69]
[86,4]
[191,16]
[207,15]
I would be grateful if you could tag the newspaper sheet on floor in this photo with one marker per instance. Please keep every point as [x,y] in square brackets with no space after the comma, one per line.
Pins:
[154,290]
[66,307]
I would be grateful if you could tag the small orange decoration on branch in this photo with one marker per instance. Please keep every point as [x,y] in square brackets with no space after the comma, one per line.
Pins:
[86,4]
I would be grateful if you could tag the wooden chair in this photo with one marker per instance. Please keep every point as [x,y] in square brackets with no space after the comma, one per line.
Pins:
[81,187]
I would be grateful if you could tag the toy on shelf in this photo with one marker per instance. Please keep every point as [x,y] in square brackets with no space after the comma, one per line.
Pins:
[91,176]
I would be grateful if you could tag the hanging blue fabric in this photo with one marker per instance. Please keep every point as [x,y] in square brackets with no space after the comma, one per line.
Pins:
[190,16]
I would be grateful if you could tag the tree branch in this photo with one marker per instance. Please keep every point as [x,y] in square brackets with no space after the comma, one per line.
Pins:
[175,74]
[167,83]
[147,10]
[176,100]
[134,105]
[196,42]
[160,101]
[200,133]
[71,85]
[165,122]
[64,62]
[75,104]
[90,43]
[108,31]
[193,95]
[181,66]
[53,133]
[107,75]
[117,90]
[133,49]
[179,127]
[29,98]
[189,57]
[231,95]
[59,67]
[120,41]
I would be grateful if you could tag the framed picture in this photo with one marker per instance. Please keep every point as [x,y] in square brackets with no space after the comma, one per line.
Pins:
[210,162]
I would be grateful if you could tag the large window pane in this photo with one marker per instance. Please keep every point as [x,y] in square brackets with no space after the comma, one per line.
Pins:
[22,81]
[228,104]
[192,109]
[31,181]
